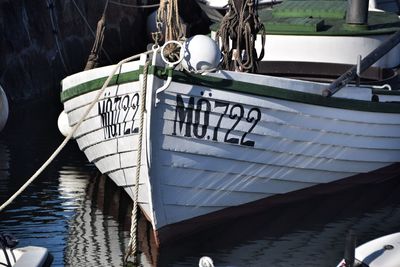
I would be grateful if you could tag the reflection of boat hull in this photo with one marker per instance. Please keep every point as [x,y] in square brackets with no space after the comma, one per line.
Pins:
[94,237]
[218,141]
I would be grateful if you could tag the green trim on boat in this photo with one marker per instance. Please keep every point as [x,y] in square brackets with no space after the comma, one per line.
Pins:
[279,93]
[385,92]
[238,86]
[297,24]
[96,84]
[307,9]
[309,18]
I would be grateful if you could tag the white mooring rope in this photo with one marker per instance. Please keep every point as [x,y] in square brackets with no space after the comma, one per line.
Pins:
[132,246]
[69,136]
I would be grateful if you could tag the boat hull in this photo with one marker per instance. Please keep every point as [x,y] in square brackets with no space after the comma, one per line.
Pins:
[215,148]
[224,140]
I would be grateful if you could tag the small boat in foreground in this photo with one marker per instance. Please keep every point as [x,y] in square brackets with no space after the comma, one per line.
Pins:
[30,256]
[206,142]
[381,252]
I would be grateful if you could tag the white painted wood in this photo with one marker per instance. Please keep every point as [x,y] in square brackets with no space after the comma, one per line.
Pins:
[342,49]
[303,151]
[380,252]
[296,145]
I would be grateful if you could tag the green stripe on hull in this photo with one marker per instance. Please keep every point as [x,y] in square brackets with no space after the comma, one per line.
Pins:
[284,94]
[236,86]
[96,84]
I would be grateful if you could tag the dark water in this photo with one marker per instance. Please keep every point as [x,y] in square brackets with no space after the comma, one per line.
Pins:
[69,209]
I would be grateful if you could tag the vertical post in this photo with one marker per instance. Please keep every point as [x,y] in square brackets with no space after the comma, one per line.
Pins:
[357,12]
[358,71]
[350,249]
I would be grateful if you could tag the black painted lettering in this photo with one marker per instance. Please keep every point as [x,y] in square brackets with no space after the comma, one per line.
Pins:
[206,118]
[183,116]
[233,116]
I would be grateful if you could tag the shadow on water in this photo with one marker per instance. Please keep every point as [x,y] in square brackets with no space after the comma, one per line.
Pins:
[84,219]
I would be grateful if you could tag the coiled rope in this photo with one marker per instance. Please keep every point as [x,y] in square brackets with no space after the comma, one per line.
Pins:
[69,136]
[168,13]
[169,21]
[132,246]
[241,25]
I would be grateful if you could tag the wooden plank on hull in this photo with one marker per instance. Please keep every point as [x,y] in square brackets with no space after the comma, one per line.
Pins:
[187,176]
[276,146]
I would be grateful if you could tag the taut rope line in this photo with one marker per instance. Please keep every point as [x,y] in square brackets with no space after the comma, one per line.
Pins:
[69,136]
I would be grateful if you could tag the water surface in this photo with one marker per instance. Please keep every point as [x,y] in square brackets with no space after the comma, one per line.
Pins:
[77,214]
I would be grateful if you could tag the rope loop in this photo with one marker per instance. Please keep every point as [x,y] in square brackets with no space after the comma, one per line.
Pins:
[171,52]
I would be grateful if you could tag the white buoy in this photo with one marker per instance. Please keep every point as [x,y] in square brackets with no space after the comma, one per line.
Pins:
[201,53]
[206,261]
[63,125]
[3,108]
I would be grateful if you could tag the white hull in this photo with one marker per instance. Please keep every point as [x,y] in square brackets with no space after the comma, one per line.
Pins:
[229,148]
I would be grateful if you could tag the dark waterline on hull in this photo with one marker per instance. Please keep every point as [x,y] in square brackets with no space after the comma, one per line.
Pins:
[69,210]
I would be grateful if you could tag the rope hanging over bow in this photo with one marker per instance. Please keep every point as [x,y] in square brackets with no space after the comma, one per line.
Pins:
[168,16]
[170,27]
[238,34]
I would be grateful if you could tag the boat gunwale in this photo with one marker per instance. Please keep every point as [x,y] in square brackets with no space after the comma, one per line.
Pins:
[235,86]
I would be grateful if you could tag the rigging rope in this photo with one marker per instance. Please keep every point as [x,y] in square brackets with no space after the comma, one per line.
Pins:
[50,6]
[93,59]
[168,13]
[69,136]
[241,25]
[90,29]
[169,19]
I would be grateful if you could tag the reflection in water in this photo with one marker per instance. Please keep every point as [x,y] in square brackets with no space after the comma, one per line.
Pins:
[57,211]
[93,237]
[306,233]
[84,219]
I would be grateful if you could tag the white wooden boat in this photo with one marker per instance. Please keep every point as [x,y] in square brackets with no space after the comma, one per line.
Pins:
[222,140]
